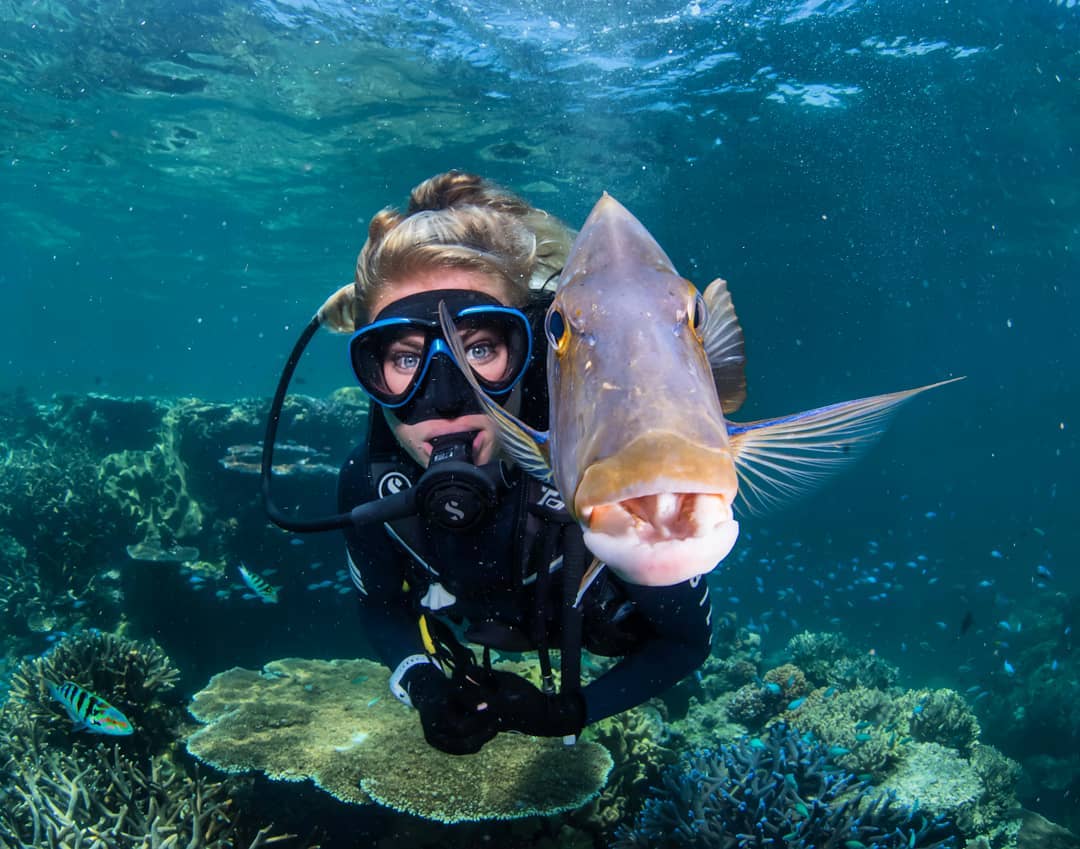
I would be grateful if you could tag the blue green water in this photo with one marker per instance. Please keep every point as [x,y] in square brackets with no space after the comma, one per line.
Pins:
[891,189]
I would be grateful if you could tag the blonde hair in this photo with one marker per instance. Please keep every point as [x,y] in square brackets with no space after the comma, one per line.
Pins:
[454,220]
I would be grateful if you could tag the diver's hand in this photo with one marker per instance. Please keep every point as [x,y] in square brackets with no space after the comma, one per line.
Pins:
[455,717]
[522,707]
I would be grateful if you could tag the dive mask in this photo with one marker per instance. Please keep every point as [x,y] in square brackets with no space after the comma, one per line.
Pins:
[393,357]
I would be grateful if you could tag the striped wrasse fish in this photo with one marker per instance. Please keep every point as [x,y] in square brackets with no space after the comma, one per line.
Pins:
[90,712]
[259,585]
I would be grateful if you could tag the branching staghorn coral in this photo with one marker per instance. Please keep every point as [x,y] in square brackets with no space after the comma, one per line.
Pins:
[100,798]
[778,790]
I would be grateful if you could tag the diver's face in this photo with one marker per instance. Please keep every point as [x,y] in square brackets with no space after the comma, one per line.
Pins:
[416,438]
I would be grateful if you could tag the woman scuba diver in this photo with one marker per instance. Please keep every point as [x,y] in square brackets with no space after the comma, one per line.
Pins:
[495,560]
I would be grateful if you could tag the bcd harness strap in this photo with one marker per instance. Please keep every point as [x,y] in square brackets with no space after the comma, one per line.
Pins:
[544,527]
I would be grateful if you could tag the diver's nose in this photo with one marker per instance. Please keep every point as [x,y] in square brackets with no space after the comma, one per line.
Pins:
[450,393]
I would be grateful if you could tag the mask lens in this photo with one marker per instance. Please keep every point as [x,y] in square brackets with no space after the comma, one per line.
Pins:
[391,357]
[497,343]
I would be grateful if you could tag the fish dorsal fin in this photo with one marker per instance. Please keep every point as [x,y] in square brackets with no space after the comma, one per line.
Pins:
[723,340]
[523,445]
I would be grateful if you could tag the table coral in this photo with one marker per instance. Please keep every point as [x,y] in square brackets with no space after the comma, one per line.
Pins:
[335,723]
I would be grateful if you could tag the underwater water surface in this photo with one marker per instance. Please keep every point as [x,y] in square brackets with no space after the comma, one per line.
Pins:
[891,189]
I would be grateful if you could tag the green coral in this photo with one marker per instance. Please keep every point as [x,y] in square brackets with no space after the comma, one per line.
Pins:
[102,798]
[135,676]
[62,788]
[335,723]
[829,660]
[975,793]
[873,727]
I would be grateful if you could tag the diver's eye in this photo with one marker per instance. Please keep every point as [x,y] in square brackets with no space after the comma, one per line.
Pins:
[558,333]
[699,314]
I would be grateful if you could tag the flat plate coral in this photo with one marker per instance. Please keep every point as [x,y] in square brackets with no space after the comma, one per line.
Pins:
[334,722]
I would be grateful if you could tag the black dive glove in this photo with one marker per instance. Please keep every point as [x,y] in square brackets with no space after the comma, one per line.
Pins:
[522,707]
[455,717]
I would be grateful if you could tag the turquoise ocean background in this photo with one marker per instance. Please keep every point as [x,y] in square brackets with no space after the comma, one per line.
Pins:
[892,190]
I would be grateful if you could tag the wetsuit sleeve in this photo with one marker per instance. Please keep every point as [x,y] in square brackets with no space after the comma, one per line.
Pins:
[376,568]
[680,640]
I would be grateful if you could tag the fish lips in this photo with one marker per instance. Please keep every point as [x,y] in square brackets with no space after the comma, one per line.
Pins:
[665,527]
[639,555]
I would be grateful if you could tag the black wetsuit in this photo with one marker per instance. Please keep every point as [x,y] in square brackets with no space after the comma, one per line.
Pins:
[486,580]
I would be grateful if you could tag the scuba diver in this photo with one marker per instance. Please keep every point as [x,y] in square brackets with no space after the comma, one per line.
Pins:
[494,560]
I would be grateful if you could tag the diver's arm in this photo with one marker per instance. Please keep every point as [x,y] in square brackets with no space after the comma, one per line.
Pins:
[681,640]
[387,617]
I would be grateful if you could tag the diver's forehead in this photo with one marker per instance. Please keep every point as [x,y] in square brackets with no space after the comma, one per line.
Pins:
[437,278]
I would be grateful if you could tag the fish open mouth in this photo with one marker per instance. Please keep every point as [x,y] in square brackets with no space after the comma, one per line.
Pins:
[662,538]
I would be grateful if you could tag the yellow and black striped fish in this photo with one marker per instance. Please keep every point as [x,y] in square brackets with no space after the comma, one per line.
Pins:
[89,712]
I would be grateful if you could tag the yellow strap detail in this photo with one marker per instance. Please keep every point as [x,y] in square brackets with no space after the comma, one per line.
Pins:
[425,635]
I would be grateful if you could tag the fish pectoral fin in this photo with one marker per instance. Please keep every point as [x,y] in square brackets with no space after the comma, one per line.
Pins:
[523,445]
[781,459]
[723,340]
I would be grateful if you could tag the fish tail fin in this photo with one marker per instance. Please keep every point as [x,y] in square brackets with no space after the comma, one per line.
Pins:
[781,459]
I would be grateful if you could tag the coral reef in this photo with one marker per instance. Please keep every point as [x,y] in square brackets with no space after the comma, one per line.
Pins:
[829,660]
[81,472]
[754,703]
[64,788]
[1033,714]
[976,794]
[102,799]
[867,729]
[335,723]
[777,790]
[135,676]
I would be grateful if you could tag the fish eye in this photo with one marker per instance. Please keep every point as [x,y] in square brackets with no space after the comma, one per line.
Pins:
[556,329]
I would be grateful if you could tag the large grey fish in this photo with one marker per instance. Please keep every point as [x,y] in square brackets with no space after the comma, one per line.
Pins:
[642,373]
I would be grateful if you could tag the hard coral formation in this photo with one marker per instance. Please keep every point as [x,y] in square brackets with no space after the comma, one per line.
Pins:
[829,660]
[335,723]
[133,675]
[779,790]
[102,799]
[62,788]
[976,794]
[869,728]
[752,704]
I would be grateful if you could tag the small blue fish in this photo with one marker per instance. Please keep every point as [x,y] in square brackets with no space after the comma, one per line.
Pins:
[773,688]
[1044,572]
[796,703]
[89,712]
[259,586]
[838,751]
[1010,670]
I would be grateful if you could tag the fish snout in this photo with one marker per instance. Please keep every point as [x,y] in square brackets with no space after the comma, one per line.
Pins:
[664,538]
